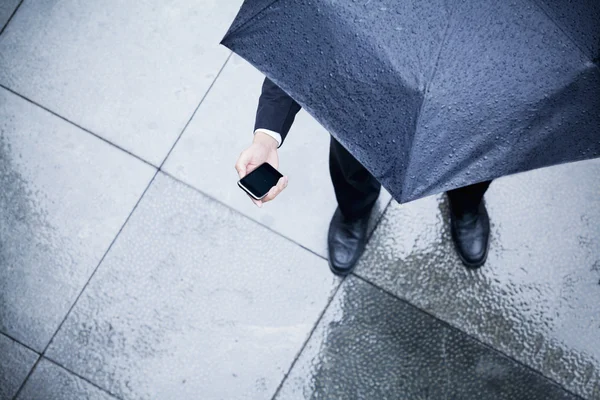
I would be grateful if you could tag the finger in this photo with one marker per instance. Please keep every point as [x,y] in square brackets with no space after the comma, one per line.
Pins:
[275,190]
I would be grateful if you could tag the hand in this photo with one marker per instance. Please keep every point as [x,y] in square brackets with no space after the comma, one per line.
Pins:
[263,149]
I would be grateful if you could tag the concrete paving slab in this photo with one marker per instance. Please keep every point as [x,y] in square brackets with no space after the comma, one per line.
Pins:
[51,382]
[7,7]
[132,72]
[194,298]
[536,298]
[370,345]
[65,195]
[16,361]
[206,154]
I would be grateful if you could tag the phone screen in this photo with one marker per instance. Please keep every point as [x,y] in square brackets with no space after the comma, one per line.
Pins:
[261,180]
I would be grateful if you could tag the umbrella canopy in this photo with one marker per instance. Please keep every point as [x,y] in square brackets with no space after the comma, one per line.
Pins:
[438,94]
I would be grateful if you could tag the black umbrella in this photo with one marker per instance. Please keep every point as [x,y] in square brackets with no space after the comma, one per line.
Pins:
[434,95]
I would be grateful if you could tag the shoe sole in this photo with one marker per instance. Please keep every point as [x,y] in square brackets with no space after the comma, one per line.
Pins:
[340,273]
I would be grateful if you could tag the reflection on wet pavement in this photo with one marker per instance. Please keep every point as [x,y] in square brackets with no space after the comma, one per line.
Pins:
[371,345]
[536,299]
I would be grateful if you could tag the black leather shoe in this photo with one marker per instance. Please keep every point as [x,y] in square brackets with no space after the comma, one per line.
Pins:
[346,241]
[471,235]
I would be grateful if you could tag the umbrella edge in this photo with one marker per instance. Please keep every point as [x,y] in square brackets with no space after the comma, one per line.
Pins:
[240,21]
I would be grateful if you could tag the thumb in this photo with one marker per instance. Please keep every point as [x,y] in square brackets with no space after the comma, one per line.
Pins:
[241,164]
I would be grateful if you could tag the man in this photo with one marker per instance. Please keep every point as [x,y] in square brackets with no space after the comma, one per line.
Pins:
[356,189]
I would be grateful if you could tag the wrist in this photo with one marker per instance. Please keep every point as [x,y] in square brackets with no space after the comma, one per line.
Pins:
[266,140]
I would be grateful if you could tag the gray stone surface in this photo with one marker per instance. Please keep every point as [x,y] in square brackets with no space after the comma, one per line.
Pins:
[65,195]
[15,363]
[536,298]
[193,298]
[51,382]
[370,345]
[132,72]
[7,7]
[206,154]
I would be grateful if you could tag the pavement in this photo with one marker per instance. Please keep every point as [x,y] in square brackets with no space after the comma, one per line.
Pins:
[133,267]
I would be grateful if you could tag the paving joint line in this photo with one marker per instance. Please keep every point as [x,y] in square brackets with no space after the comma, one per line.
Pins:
[11,17]
[27,377]
[239,213]
[83,378]
[195,111]
[312,331]
[475,339]
[20,343]
[76,125]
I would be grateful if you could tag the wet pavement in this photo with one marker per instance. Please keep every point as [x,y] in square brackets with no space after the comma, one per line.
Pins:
[371,345]
[536,299]
[123,280]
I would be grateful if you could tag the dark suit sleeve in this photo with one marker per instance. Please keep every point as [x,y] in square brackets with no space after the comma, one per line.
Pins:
[276,110]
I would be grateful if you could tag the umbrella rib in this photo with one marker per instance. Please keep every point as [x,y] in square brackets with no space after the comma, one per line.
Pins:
[252,17]
[559,26]
[422,106]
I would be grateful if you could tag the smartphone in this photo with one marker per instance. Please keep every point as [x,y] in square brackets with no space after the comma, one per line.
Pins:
[258,182]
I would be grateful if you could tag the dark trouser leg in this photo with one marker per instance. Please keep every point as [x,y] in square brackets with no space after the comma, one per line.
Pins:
[467,199]
[355,188]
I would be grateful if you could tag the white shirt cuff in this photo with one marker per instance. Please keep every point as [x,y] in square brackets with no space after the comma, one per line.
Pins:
[273,134]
